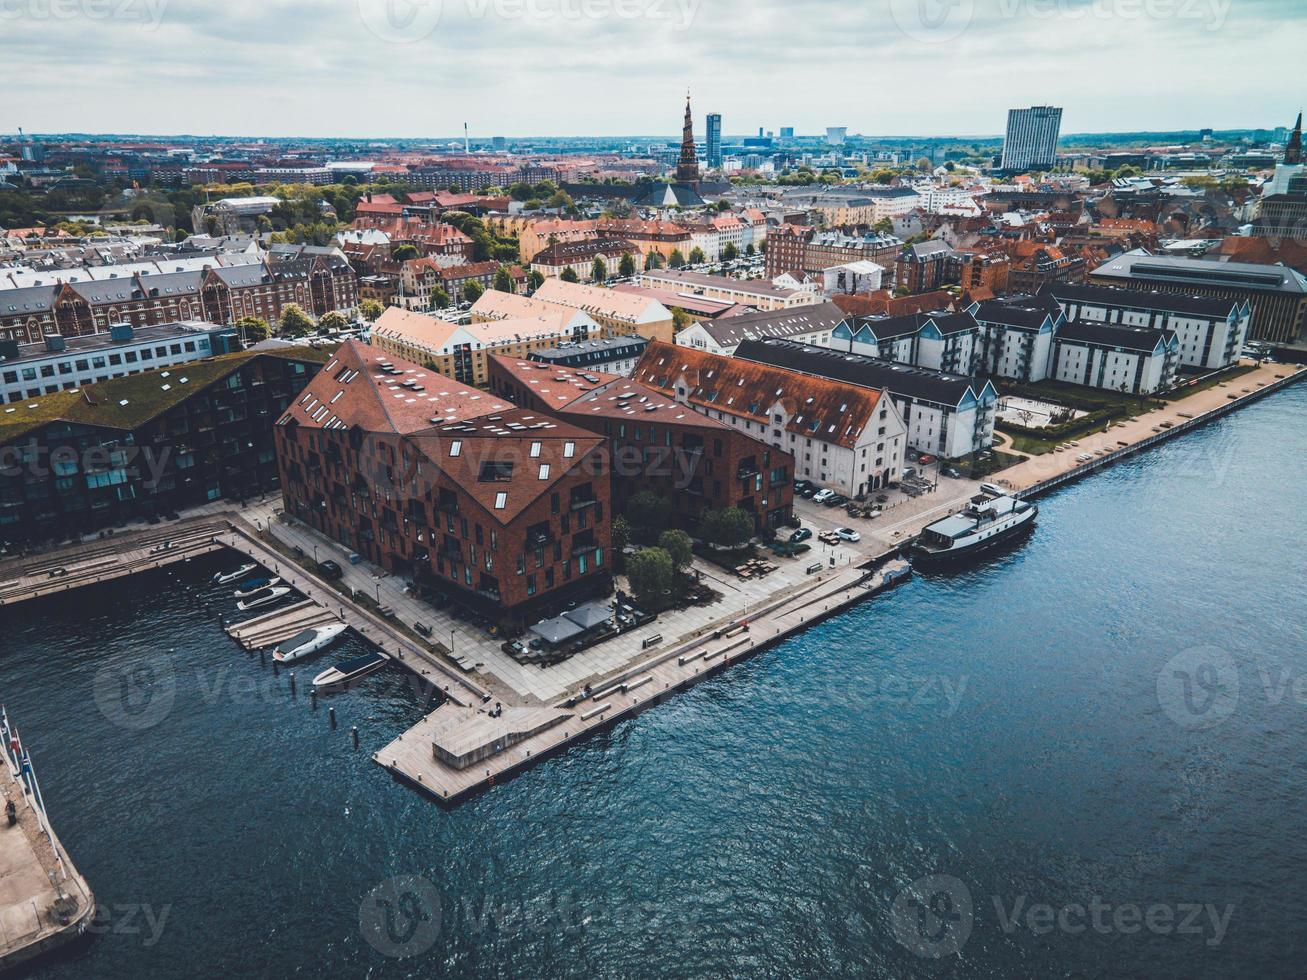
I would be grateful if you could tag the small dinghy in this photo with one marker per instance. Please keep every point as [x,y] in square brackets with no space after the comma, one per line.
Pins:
[307,642]
[347,673]
[262,598]
[229,577]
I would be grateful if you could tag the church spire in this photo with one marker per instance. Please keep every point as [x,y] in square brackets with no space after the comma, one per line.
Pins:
[687,166]
[1293,149]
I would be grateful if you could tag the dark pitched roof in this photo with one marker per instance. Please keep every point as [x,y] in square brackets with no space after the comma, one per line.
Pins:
[1022,310]
[860,369]
[730,331]
[1100,334]
[1141,299]
[887,327]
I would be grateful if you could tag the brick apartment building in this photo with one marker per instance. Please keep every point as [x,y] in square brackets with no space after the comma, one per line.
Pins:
[694,462]
[479,502]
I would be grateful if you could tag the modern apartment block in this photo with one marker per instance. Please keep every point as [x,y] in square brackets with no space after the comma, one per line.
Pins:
[693,462]
[940,341]
[1031,139]
[479,502]
[143,446]
[1137,360]
[1276,294]
[1017,334]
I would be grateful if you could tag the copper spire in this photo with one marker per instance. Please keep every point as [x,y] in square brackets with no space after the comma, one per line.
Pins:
[687,167]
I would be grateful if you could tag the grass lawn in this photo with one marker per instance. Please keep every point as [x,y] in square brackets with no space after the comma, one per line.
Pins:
[1211,381]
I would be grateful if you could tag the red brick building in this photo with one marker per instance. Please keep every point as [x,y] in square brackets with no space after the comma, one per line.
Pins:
[491,506]
[694,462]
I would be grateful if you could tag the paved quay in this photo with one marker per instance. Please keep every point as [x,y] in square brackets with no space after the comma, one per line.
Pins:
[44,900]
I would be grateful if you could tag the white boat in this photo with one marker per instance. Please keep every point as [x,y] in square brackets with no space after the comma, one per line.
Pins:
[986,523]
[262,598]
[229,577]
[255,586]
[307,642]
[349,672]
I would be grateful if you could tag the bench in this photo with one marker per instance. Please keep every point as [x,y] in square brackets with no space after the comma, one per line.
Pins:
[651,641]
[597,710]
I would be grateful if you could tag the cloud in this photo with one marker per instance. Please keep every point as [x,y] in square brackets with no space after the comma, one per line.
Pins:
[607,67]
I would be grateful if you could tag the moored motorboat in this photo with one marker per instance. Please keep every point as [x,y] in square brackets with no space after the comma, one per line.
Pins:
[226,578]
[253,585]
[307,642]
[262,598]
[347,673]
[989,521]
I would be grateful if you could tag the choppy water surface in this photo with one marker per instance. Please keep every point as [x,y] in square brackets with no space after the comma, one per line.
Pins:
[1086,758]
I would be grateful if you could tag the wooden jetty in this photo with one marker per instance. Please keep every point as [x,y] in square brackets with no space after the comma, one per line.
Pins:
[271,628]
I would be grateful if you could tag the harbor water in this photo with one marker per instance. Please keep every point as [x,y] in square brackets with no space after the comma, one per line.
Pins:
[1084,758]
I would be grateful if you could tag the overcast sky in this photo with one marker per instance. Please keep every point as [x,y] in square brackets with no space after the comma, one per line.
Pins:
[608,67]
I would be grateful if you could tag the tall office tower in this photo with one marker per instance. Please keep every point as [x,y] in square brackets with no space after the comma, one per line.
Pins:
[787,132]
[1031,140]
[835,135]
[713,147]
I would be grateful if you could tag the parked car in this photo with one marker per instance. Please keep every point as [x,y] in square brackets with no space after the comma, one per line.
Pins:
[847,534]
[811,492]
[802,485]
[329,569]
[952,472]
[836,500]
[802,534]
[997,491]
[925,459]
[821,496]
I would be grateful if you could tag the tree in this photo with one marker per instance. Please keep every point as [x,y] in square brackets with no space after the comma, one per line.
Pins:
[680,319]
[569,275]
[332,321]
[651,574]
[697,257]
[472,291]
[370,309]
[730,252]
[621,533]
[295,322]
[252,329]
[598,271]
[678,546]
[649,514]
[626,267]
[440,298]
[559,199]
[535,279]
[503,280]
[654,260]
[723,205]
[731,527]
[749,249]
[402,253]
[676,260]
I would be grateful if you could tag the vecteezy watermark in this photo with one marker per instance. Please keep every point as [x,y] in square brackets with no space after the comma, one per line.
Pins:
[38,462]
[147,13]
[130,919]
[934,917]
[920,691]
[136,696]
[401,917]
[1199,688]
[941,21]
[408,21]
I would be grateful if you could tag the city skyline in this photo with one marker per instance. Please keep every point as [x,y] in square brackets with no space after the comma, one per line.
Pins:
[421,68]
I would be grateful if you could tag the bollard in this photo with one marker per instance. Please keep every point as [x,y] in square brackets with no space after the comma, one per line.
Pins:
[262,662]
[292,682]
[276,670]
[331,716]
[354,734]
[313,698]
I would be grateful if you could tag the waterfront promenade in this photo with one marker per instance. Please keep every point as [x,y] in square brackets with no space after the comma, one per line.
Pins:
[541,711]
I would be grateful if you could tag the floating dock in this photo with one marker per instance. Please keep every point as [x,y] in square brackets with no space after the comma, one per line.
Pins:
[44,901]
[271,628]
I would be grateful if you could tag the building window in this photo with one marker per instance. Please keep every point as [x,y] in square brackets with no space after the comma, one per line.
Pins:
[501,501]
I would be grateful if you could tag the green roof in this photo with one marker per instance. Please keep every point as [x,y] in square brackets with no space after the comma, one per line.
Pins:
[102,403]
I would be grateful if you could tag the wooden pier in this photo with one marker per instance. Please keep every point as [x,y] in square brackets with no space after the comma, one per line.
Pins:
[271,628]
[44,901]
[109,558]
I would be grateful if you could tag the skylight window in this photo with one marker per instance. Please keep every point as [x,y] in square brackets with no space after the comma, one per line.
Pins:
[501,501]
[456,447]
[535,450]
[569,450]
[544,471]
